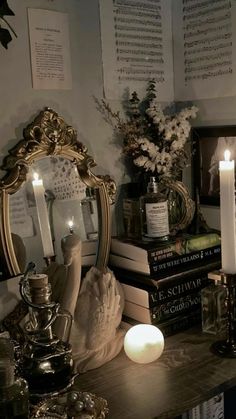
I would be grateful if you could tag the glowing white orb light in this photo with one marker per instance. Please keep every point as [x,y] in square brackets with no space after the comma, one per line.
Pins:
[144,343]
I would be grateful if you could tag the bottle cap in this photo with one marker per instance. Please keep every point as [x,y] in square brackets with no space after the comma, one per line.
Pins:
[37,280]
[152,185]
[39,289]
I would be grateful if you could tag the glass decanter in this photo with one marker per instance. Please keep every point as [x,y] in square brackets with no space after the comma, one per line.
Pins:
[214,307]
[46,361]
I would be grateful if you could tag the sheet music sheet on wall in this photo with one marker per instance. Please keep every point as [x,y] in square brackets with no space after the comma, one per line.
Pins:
[136,46]
[204,36]
[21,222]
[50,49]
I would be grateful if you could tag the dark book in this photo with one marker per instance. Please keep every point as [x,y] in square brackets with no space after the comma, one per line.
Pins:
[154,251]
[148,295]
[170,266]
[180,323]
[171,326]
[163,311]
[131,277]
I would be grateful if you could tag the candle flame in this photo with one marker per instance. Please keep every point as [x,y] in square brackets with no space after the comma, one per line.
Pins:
[227,155]
[35,176]
[70,223]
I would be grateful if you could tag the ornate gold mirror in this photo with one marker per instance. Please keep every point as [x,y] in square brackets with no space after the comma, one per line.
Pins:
[49,142]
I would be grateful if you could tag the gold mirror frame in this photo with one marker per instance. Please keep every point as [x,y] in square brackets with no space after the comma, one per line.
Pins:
[50,135]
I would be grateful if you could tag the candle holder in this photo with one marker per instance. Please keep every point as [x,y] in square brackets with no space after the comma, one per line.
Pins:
[227,347]
[49,259]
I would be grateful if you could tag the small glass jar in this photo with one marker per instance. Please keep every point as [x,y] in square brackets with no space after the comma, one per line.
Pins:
[14,400]
[214,308]
[14,393]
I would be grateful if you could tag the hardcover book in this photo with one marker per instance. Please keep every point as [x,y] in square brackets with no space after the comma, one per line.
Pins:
[213,408]
[150,296]
[171,326]
[135,278]
[89,247]
[170,266]
[164,311]
[152,251]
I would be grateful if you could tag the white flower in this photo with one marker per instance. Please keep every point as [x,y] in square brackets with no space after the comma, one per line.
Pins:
[141,161]
[156,140]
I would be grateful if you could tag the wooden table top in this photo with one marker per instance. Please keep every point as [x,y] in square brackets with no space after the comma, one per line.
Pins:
[186,374]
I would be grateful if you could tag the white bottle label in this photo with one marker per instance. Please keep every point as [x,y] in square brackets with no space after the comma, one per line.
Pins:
[157,219]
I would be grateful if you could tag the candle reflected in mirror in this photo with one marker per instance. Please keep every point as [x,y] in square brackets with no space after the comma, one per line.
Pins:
[71,226]
[43,219]
[227,155]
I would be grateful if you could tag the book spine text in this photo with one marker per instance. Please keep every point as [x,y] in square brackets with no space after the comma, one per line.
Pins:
[185,261]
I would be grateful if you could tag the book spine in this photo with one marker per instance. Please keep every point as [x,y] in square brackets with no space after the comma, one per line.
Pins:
[187,261]
[179,324]
[166,291]
[213,408]
[183,246]
[195,413]
[179,306]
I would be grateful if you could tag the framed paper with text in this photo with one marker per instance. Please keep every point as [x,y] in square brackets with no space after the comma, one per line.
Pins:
[50,49]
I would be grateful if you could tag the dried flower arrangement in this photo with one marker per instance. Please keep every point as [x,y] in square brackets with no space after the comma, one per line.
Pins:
[153,140]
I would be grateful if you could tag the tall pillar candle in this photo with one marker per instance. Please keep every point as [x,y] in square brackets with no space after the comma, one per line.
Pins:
[227,214]
[42,212]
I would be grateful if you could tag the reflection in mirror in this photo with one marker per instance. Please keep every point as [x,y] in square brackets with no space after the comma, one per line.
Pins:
[47,195]
[70,206]
[50,148]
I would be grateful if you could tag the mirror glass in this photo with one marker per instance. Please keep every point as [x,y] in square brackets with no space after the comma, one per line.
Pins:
[50,162]
[71,207]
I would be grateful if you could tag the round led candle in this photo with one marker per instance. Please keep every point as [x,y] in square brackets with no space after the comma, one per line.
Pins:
[144,343]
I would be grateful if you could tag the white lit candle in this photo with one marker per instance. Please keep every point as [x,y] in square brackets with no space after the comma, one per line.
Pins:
[71,225]
[227,214]
[144,343]
[42,212]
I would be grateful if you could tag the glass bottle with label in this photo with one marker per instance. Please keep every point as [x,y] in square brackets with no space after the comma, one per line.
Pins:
[154,213]
[14,394]
[214,307]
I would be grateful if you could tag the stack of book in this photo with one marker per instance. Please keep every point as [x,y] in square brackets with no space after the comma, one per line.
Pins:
[163,259]
[89,252]
[167,294]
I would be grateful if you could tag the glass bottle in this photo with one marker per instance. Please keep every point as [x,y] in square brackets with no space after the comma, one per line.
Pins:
[46,361]
[154,213]
[14,394]
[90,214]
[214,308]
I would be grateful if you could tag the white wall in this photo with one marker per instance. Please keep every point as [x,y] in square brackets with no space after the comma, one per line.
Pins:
[20,103]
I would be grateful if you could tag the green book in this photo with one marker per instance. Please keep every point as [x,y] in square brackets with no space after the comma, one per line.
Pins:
[150,252]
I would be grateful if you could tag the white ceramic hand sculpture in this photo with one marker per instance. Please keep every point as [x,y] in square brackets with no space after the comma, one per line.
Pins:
[96,337]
